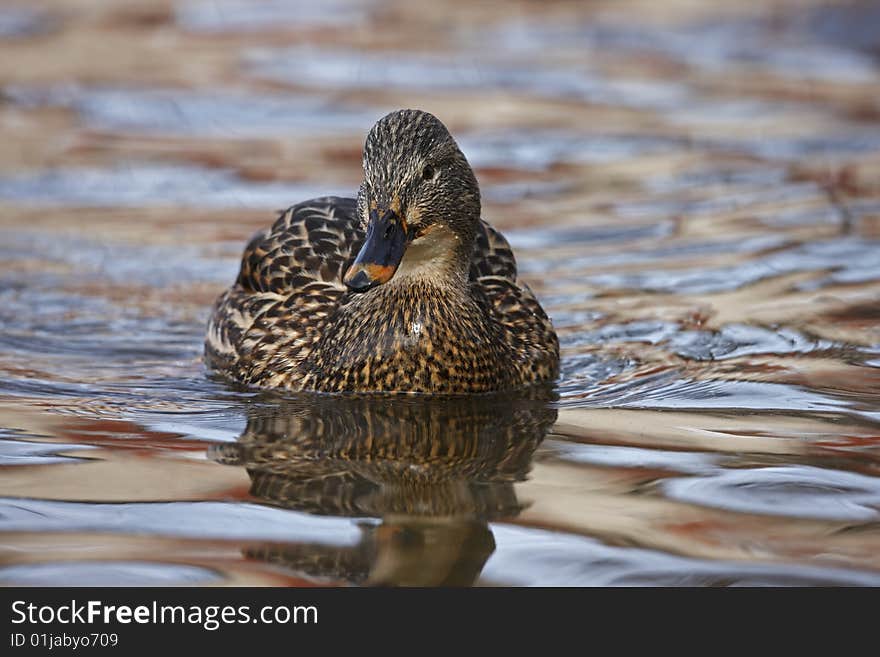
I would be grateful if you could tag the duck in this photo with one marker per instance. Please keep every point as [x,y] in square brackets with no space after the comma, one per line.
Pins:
[404,289]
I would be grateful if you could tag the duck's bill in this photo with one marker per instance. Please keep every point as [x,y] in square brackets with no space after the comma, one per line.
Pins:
[381,254]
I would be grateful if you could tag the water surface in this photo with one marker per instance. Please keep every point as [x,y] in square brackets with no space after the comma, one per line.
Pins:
[692,196]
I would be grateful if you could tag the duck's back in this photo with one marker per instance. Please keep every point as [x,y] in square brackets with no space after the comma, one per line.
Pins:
[289,282]
[289,321]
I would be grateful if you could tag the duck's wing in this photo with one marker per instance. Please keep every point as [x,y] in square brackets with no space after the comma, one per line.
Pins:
[492,255]
[311,242]
[289,282]
[523,321]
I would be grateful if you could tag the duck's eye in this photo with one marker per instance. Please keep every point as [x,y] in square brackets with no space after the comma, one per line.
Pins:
[428,172]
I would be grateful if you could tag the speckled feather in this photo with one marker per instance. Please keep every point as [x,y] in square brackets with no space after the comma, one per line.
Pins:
[289,321]
[460,323]
[329,455]
[431,468]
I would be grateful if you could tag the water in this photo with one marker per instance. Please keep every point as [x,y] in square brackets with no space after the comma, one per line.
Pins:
[693,197]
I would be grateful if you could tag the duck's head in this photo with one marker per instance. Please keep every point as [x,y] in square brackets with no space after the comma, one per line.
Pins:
[419,203]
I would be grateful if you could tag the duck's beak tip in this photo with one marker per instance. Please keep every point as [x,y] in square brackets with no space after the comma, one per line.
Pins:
[361,277]
[357,280]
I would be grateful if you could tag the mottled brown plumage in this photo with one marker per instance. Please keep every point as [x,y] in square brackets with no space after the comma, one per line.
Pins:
[433,470]
[405,289]
[360,456]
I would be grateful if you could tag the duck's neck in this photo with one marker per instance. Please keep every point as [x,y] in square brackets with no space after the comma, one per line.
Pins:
[440,257]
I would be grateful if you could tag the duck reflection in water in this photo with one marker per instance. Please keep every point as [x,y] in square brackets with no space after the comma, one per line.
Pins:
[435,471]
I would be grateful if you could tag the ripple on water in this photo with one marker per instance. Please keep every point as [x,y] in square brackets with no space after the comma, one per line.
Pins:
[19,452]
[753,395]
[736,340]
[538,150]
[647,331]
[585,373]
[791,490]
[635,254]
[92,331]
[511,192]
[849,141]
[533,557]
[849,25]
[218,424]
[635,457]
[782,47]
[718,175]
[215,16]
[569,317]
[725,200]
[200,520]
[850,259]
[23,21]
[345,69]
[151,185]
[107,261]
[106,573]
[554,237]
[668,390]
[184,112]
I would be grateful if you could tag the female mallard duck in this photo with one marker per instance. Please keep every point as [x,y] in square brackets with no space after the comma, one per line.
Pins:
[404,290]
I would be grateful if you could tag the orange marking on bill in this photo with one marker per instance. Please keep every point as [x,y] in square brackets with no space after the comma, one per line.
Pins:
[381,273]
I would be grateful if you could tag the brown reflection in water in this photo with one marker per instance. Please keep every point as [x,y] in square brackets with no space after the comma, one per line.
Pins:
[435,471]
